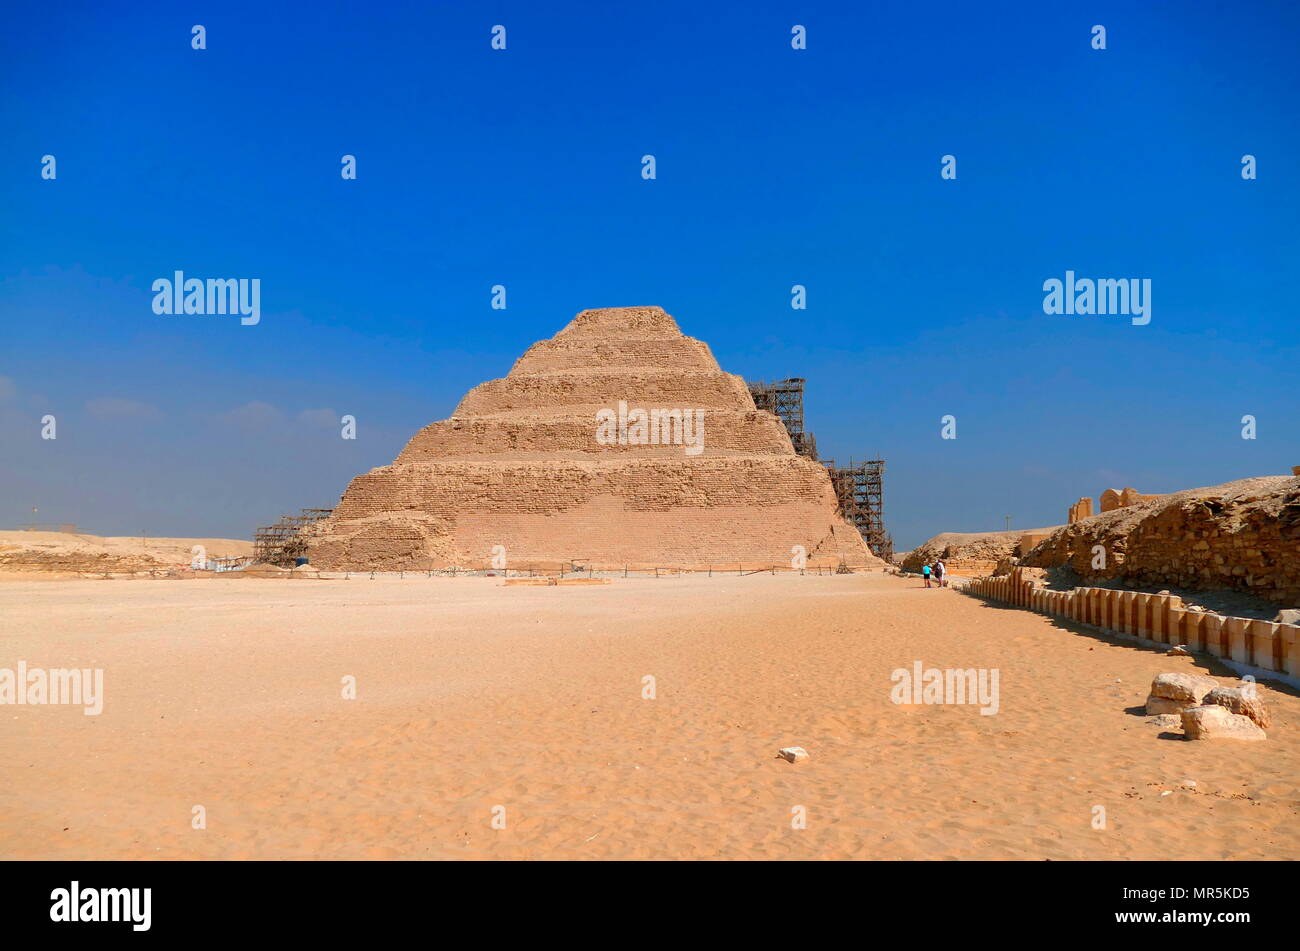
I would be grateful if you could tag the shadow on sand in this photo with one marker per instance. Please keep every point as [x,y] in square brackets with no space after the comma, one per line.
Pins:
[1206,664]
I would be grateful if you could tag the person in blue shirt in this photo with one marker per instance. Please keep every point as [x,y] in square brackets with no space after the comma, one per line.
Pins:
[925,573]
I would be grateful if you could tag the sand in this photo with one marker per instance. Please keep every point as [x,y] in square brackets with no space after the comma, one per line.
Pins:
[473,695]
[67,554]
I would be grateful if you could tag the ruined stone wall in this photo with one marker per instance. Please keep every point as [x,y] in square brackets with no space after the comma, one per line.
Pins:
[1113,499]
[1267,646]
[1241,536]
[971,551]
[519,465]
[1110,500]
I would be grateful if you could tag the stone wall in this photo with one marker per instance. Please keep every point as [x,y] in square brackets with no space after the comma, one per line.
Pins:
[971,552]
[1266,646]
[1080,510]
[1241,536]
[1113,499]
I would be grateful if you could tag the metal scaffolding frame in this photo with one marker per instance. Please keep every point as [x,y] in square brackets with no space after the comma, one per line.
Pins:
[784,400]
[859,488]
[282,543]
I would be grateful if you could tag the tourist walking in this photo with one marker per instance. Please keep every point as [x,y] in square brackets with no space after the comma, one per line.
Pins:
[925,573]
[940,570]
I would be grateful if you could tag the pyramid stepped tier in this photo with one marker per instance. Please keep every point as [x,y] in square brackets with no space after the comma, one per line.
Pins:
[682,353]
[723,511]
[524,464]
[451,489]
[726,433]
[589,391]
[633,323]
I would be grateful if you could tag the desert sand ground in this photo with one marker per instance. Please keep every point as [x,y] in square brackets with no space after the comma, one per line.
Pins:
[63,554]
[471,695]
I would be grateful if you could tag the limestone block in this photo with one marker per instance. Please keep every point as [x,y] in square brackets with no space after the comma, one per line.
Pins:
[1110,610]
[1167,721]
[1183,687]
[1212,629]
[1214,722]
[1289,635]
[1235,699]
[1124,612]
[1157,609]
[1193,634]
[1238,642]
[1157,706]
[1265,645]
[1145,603]
[1176,625]
[1172,611]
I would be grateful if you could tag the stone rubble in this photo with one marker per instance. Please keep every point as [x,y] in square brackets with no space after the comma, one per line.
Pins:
[1213,722]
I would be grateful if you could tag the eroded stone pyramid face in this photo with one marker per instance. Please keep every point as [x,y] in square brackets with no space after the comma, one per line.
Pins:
[619,441]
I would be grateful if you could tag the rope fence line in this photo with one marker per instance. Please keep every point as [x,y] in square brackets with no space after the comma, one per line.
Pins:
[566,571]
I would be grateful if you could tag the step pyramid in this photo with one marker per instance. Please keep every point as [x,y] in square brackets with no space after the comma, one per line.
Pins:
[554,464]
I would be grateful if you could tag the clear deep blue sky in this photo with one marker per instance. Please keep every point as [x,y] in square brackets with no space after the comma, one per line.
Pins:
[775,167]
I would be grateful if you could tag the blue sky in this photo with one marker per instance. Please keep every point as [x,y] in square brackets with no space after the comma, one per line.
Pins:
[522,167]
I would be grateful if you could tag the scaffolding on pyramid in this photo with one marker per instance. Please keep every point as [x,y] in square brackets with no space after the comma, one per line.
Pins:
[282,544]
[859,488]
[784,400]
